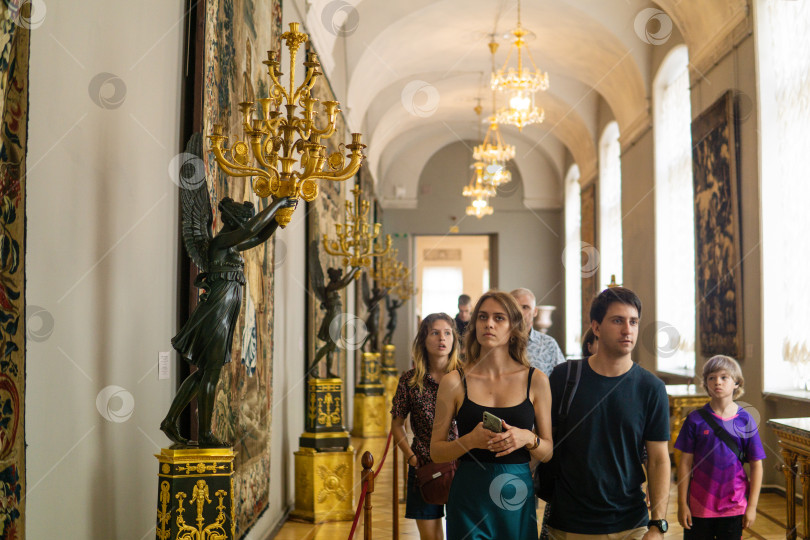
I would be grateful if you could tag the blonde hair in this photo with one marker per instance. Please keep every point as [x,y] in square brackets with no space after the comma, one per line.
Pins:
[519,336]
[419,350]
[721,362]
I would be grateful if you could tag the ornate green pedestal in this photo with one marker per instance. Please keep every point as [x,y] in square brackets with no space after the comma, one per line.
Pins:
[195,494]
[369,399]
[324,421]
[324,462]
[390,379]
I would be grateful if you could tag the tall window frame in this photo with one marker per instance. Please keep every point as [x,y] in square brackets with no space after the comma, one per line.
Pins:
[572,261]
[610,206]
[783,68]
[674,216]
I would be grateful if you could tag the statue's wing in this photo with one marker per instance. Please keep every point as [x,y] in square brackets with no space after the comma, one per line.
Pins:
[366,291]
[198,217]
[316,278]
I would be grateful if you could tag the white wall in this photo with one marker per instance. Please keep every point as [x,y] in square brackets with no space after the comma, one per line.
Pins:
[102,254]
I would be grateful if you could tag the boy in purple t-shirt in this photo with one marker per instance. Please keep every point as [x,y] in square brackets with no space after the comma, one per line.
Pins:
[717,501]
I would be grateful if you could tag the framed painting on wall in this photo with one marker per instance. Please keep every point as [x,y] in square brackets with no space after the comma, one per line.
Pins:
[322,215]
[232,39]
[588,242]
[718,272]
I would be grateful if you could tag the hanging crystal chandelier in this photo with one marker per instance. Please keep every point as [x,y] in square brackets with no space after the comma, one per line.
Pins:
[495,174]
[520,85]
[478,187]
[493,149]
[479,208]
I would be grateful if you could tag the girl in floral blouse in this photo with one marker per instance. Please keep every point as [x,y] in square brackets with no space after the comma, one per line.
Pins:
[434,355]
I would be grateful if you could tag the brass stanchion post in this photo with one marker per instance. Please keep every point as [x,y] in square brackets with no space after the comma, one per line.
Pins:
[368,479]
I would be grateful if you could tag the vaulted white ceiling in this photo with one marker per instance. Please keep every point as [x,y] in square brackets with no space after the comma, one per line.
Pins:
[408,74]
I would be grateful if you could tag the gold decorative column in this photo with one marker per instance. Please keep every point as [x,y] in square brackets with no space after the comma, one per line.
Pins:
[369,399]
[195,494]
[324,462]
[390,380]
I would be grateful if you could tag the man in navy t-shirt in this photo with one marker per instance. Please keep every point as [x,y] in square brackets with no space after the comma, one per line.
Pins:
[618,409]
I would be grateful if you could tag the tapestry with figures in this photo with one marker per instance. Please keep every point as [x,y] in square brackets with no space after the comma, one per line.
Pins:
[14,35]
[322,215]
[237,36]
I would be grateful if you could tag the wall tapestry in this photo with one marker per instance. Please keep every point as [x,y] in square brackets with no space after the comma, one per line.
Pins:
[322,215]
[718,274]
[366,183]
[589,266]
[14,40]
[237,36]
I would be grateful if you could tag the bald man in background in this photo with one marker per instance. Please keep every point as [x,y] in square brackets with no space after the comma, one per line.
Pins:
[543,351]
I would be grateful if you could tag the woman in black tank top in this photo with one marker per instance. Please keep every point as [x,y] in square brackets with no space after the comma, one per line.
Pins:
[492,494]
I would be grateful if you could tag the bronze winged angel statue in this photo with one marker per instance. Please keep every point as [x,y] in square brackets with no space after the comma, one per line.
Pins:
[391,306]
[331,304]
[372,299]
[206,338]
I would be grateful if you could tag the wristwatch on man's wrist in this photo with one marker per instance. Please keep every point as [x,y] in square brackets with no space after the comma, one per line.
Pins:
[660,524]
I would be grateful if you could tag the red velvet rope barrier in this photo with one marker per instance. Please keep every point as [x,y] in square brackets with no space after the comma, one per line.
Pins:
[365,488]
[385,453]
[357,512]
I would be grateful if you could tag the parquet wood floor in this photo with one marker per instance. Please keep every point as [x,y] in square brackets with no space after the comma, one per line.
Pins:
[769,524]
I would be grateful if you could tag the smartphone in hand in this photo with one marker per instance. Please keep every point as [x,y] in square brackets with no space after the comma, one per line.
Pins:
[492,422]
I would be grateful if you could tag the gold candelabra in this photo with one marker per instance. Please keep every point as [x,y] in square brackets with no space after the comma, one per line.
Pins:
[404,289]
[273,137]
[355,238]
[389,271]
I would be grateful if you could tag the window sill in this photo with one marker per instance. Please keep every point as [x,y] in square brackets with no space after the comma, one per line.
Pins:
[793,395]
[682,373]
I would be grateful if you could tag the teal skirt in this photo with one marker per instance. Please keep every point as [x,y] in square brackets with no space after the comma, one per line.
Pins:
[491,501]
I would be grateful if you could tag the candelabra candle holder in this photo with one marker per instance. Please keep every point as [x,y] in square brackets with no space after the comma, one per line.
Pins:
[404,289]
[389,272]
[273,137]
[356,238]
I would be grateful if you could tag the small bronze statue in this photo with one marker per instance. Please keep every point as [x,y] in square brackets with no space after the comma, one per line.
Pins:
[372,301]
[206,338]
[391,306]
[331,303]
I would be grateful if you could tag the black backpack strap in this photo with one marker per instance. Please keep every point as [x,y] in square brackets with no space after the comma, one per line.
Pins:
[722,434]
[573,374]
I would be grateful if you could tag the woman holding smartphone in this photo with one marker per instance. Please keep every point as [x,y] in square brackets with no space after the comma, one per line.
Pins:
[435,353]
[492,494]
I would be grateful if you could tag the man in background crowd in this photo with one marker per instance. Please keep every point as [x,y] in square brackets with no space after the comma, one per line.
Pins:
[464,312]
[544,353]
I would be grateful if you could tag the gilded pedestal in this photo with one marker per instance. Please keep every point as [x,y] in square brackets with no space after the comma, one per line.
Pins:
[324,463]
[324,422]
[390,379]
[324,485]
[683,399]
[794,439]
[195,489]
[369,399]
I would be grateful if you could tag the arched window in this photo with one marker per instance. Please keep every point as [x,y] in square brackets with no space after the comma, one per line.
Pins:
[610,206]
[784,77]
[674,216]
[572,263]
